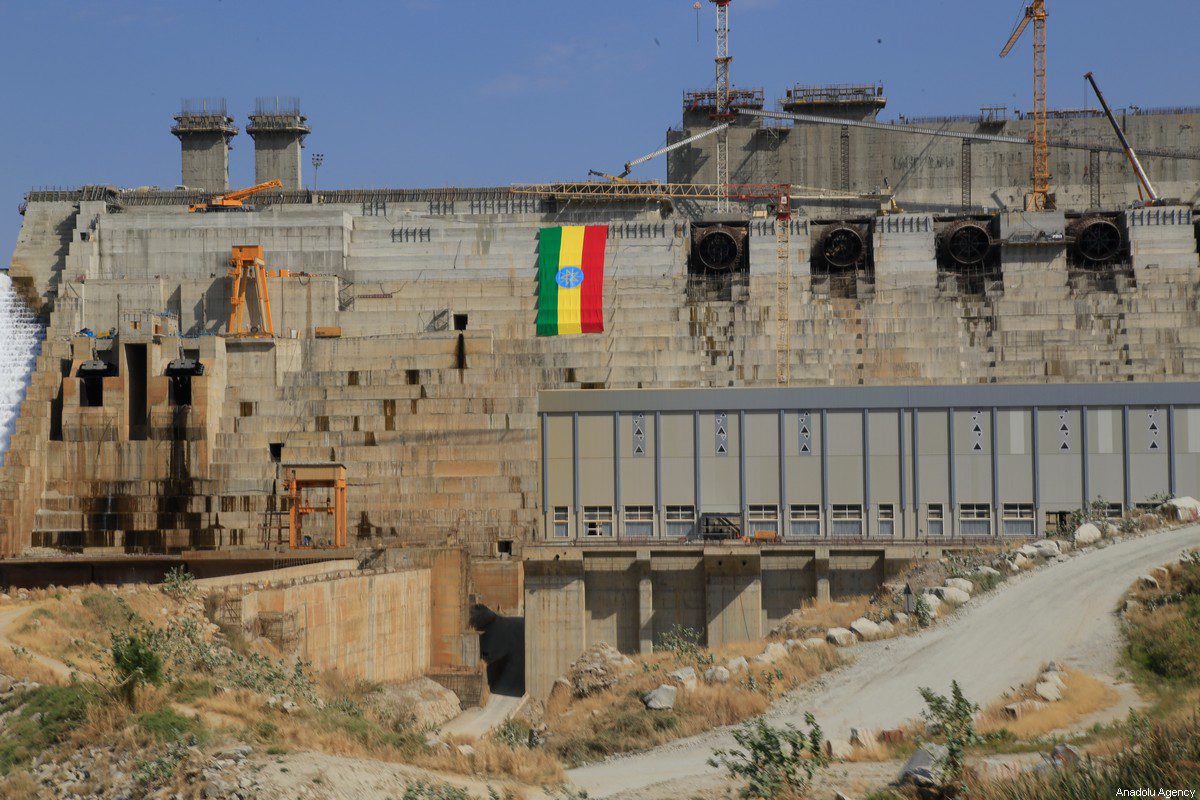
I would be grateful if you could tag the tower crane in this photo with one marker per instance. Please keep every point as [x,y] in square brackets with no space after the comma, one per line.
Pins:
[1040,199]
[232,201]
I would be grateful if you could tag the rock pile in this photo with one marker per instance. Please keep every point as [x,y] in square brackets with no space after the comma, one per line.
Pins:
[597,669]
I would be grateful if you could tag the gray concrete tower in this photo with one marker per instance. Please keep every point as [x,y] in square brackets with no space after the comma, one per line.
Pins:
[205,131]
[278,129]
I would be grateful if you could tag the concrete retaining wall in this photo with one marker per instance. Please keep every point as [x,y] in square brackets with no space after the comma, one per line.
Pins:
[372,626]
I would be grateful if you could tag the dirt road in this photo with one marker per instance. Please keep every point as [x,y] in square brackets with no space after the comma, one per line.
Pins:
[1063,612]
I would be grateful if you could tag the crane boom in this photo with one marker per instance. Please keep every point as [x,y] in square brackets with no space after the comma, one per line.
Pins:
[1129,151]
[242,194]
[233,200]
[1016,34]
[629,165]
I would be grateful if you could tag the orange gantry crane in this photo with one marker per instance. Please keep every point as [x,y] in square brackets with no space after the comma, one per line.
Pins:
[246,269]
[233,201]
[1040,199]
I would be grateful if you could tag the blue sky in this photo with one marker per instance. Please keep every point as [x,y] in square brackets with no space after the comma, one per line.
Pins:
[486,92]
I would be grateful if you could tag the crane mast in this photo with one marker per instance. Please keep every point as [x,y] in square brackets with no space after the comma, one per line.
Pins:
[723,113]
[1035,12]
[783,282]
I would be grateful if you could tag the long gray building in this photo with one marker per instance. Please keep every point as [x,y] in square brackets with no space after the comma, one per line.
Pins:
[893,463]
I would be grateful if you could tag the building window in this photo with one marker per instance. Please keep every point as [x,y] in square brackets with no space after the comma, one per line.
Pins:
[1113,511]
[1018,519]
[561,522]
[806,521]
[681,522]
[935,519]
[639,521]
[764,521]
[846,520]
[597,520]
[887,519]
[975,519]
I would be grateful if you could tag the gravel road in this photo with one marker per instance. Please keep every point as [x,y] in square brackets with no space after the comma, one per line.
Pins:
[1062,612]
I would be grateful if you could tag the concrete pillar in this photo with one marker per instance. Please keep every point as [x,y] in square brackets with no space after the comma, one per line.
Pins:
[645,604]
[821,570]
[205,131]
[555,631]
[278,129]
[733,595]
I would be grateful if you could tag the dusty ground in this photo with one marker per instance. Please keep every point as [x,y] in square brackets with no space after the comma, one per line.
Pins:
[1063,613]
[318,776]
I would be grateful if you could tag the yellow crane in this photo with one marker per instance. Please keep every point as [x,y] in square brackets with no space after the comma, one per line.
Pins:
[232,201]
[1040,199]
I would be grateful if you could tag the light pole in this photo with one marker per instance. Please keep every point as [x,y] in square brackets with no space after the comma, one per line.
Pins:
[317,160]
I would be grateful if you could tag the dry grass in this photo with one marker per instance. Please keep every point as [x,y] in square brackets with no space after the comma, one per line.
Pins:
[820,616]
[20,786]
[615,721]
[1083,696]
[492,759]
[22,666]
[73,625]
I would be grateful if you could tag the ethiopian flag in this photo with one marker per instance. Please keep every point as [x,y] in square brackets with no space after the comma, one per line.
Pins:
[571,279]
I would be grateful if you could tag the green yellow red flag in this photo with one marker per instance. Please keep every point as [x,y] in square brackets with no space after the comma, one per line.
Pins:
[571,279]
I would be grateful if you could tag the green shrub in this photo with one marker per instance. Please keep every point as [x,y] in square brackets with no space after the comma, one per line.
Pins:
[513,733]
[179,583]
[1159,755]
[685,643]
[952,717]
[167,725]
[135,663]
[772,760]
[923,612]
[39,720]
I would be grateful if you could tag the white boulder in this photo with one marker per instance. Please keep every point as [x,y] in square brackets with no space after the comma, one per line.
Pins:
[865,629]
[1185,509]
[1086,534]
[660,699]
[716,675]
[738,664]
[685,677]
[952,596]
[813,641]
[1050,692]
[886,629]
[842,637]
[899,618]
[961,583]
[1047,548]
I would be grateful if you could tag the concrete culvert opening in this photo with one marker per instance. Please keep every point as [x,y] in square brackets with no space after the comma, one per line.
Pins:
[502,647]
[968,261]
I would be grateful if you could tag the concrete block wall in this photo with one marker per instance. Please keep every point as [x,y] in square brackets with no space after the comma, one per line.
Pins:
[372,626]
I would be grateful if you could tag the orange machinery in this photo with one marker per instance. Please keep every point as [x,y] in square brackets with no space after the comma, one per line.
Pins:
[305,477]
[232,201]
[246,269]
